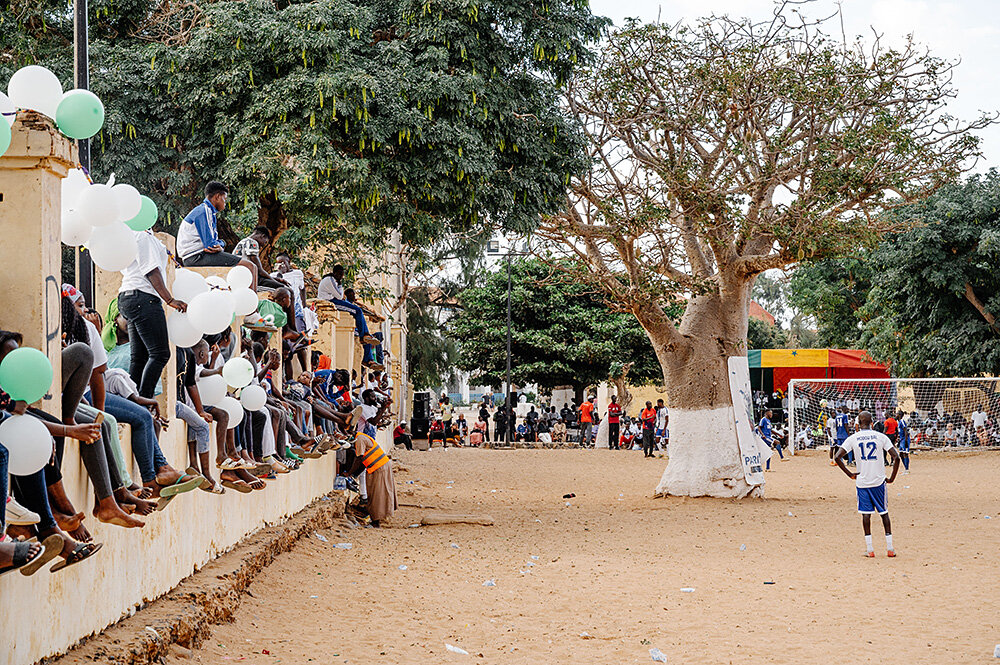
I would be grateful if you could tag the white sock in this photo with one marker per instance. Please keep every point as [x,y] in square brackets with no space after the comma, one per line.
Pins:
[888,541]
[868,543]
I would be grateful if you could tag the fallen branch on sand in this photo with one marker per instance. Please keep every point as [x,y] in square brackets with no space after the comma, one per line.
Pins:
[432,519]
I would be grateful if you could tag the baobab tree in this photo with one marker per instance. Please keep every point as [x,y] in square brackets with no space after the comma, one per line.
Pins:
[732,147]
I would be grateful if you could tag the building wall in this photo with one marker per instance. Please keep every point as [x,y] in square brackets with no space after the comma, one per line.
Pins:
[47,613]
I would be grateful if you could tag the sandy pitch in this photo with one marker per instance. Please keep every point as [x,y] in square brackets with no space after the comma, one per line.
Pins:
[606,587]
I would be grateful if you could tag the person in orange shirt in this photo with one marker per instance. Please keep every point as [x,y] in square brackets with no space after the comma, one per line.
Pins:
[648,418]
[587,421]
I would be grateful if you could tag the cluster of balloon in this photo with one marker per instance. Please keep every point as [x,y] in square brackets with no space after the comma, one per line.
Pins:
[103,217]
[212,303]
[26,375]
[79,114]
[238,373]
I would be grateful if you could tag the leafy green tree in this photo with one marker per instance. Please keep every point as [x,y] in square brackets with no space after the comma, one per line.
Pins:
[831,292]
[935,297]
[562,332]
[339,119]
[726,148]
[765,335]
[431,356]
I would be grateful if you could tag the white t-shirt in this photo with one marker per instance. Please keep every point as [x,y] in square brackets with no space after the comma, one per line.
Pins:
[152,254]
[867,446]
[118,382]
[368,413]
[661,418]
[329,289]
[296,280]
[96,344]
[978,419]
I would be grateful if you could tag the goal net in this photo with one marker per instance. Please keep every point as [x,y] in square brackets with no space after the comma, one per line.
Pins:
[937,412]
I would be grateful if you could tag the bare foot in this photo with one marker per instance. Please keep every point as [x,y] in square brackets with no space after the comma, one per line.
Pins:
[68,522]
[110,513]
[126,498]
[167,475]
[81,534]
[140,492]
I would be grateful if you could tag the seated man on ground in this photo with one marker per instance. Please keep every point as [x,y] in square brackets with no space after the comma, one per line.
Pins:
[198,243]
[401,436]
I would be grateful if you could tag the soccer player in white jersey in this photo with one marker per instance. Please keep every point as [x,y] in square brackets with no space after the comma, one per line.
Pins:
[867,446]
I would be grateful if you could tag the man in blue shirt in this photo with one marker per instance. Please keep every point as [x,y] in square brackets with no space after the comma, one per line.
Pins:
[198,242]
[764,429]
[842,423]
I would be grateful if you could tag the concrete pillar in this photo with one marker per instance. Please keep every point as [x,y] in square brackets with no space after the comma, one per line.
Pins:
[344,344]
[31,173]
[106,285]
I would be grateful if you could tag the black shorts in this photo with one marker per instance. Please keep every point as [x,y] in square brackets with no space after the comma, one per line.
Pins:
[207,259]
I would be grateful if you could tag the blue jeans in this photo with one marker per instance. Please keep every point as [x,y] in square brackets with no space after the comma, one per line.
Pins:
[145,446]
[197,429]
[359,316]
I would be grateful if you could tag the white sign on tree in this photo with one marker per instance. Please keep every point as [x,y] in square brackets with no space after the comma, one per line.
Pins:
[754,453]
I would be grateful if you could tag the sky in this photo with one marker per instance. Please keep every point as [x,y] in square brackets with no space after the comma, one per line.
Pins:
[968,30]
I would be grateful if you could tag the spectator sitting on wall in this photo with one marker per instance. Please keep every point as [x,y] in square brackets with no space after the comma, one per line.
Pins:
[198,243]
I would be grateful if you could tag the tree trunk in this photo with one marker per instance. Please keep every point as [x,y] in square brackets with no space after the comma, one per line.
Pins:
[271,213]
[704,452]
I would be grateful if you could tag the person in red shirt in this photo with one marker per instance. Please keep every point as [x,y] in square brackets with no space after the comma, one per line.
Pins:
[401,436]
[586,421]
[614,416]
[648,417]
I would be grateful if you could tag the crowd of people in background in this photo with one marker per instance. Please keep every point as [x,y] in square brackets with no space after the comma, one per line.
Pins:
[576,422]
[112,369]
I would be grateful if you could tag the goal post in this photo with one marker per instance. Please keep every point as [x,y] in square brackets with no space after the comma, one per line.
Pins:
[956,412]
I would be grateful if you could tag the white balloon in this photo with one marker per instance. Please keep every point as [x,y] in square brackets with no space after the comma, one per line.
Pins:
[34,87]
[28,444]
[187,284]
[98,204]
[253,398]
[238,372]
[240,277]
[211,312]
[235,410]
[129,201]
[75,229]
[244,301]
[181,331]
[72,186]
[113,247]
[215,280]
[8,109]
[211,389]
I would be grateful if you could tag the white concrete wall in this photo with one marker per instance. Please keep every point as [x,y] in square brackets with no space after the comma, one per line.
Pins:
[47,613]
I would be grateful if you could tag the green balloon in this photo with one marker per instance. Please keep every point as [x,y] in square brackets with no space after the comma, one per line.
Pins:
[146,217]
[26,374]
[80,114]
[4,136]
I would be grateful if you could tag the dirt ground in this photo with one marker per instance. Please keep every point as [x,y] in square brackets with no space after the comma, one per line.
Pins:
[606,586]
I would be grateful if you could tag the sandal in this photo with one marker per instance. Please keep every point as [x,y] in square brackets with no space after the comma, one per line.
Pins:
[257,484]
[80,552]
[51,547]
[206,484]
[185,483]
[237,485]
[22,557]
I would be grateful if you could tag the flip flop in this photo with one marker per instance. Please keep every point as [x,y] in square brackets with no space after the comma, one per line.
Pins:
[52,546]
[185,483]
[238,485]
[22,557]
[81,552]
[206,484]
